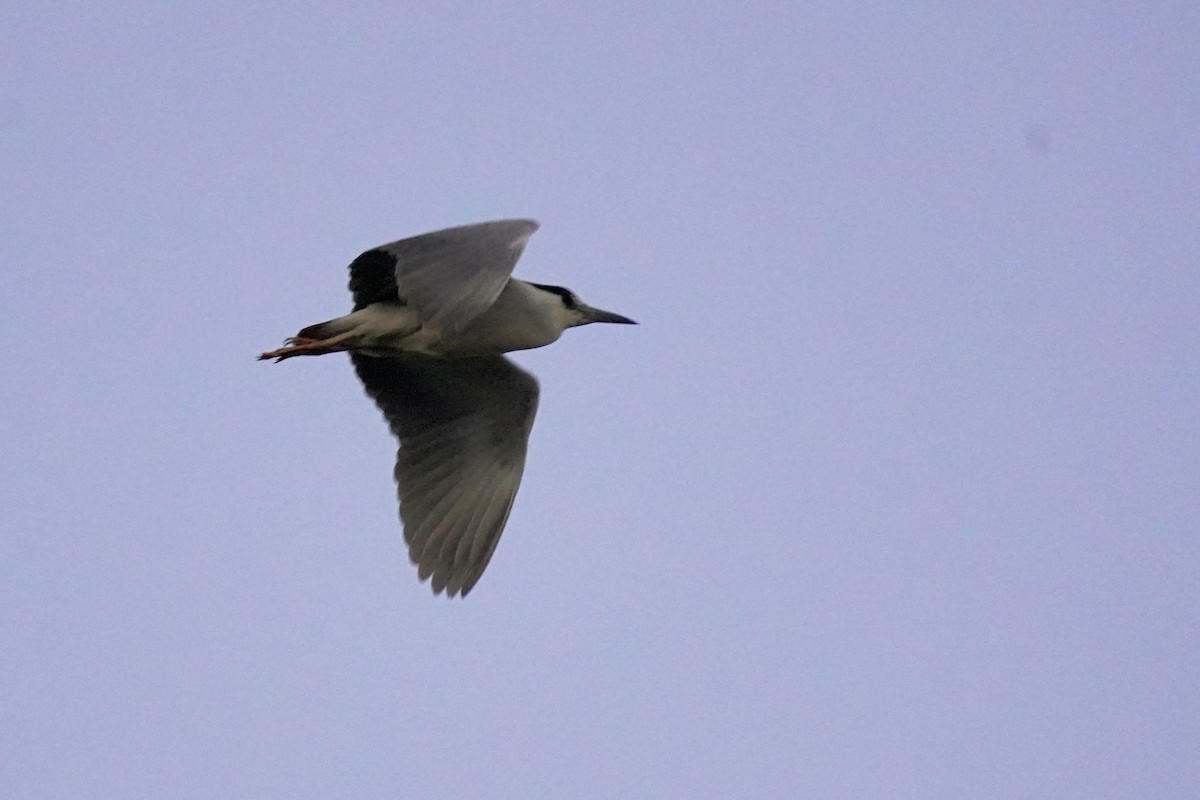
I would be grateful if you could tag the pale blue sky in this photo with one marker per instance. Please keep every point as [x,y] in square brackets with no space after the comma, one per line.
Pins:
[895,491]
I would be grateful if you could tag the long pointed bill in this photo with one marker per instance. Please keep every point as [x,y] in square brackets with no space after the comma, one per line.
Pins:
[596,315]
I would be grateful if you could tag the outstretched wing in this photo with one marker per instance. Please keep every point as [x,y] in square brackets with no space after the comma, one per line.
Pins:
[449,276]
[463,426]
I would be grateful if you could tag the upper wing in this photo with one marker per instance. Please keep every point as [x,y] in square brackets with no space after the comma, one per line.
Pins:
[449,276]
[463,426]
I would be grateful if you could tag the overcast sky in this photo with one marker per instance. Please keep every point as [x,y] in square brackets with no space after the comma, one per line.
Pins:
[894,493]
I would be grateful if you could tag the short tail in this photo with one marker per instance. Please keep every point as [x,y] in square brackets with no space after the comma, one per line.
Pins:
[311,341]
[322,330]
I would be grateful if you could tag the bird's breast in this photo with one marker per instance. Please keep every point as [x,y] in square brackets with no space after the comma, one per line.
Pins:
[519,319]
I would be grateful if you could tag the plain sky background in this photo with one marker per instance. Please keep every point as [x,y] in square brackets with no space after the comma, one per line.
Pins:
[894,493]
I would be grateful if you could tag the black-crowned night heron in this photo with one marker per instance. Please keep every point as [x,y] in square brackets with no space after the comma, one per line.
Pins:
[432,315]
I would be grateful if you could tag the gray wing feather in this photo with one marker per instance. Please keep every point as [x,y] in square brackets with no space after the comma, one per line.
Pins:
[463,426]
[452,276]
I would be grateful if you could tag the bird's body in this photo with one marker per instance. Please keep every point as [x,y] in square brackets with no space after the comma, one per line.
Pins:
[522,317]
[432,316]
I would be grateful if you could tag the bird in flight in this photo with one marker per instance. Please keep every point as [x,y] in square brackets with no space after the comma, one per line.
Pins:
[432,316]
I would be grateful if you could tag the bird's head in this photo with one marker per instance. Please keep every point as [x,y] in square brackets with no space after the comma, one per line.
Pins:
[571,311]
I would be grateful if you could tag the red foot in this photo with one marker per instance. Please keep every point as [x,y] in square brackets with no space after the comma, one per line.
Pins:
[296,346]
